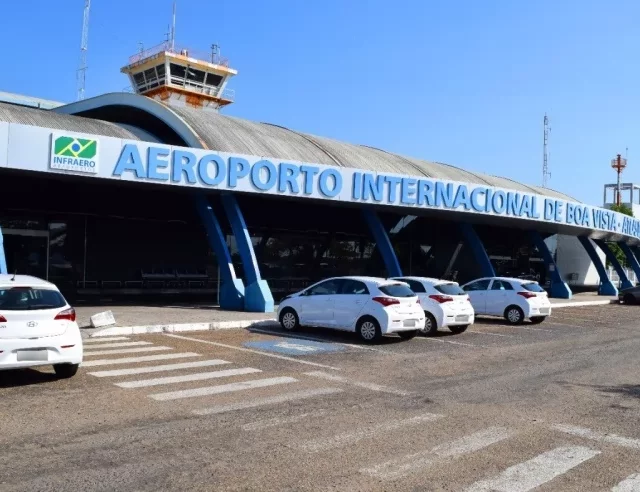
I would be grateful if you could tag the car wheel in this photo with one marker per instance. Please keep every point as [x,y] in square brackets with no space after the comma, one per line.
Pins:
[430,324]
[408,335]
[368,330]
[514,315]
[629,299]
[536,320]
[289,320]
[458,329]
[66,370]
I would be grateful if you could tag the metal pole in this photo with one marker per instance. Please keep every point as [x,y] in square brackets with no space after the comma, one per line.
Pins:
[618,188]
[84,268]
[173,28]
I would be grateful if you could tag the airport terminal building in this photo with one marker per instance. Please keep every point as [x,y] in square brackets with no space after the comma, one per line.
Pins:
[156,193]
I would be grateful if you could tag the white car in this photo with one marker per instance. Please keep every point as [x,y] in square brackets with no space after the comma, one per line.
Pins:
[513,298]
[370,306]
[37,326]
[445,304]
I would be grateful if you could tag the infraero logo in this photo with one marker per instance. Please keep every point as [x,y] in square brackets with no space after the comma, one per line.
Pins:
[74,154]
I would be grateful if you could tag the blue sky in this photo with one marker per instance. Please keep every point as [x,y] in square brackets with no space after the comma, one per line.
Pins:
[458,81]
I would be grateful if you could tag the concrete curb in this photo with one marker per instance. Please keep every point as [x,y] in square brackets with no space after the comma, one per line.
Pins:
[231,325]
[216,325]
[583,303]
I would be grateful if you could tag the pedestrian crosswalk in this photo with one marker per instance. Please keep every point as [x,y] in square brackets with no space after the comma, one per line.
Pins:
[172,376]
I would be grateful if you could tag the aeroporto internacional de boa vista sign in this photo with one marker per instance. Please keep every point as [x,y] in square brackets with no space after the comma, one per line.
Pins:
[28,148]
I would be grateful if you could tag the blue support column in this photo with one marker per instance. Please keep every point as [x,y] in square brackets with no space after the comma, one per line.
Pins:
[626,283]
[631,258]
[3,259]
[480,254]
[606,286]
[383,243]
[257,294]
[231,287]
[559,288]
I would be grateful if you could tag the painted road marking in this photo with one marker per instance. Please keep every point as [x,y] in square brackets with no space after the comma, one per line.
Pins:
[315,339]
[223,388]
[271,400]
[489,333]
[103,339]
[126,351]
[134,360]
[165,367]
[362,384]
[401,467]
[629,484]
[626,442]
[119,344]
[199,376]
[242,349]
[537,471]
[344,439]
[431,339]
[277,421]
[298,347]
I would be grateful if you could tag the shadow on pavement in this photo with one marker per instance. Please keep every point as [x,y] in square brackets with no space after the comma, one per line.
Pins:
[325,335]
[24,377]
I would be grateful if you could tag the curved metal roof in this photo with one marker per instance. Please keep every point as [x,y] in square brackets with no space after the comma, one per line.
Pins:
[234,135]
[48,119]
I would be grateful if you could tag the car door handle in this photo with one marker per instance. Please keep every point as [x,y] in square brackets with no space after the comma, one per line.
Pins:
[358,302]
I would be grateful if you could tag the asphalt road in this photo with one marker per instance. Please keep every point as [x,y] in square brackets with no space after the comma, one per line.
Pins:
[554,406]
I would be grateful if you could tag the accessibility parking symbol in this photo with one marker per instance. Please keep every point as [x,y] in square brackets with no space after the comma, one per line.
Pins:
[295,347]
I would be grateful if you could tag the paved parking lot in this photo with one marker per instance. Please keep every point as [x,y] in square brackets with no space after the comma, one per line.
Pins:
[553,406]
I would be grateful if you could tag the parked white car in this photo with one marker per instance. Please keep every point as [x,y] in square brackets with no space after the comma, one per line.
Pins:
[513,298]
[37,326]
[445,304]
[370,306]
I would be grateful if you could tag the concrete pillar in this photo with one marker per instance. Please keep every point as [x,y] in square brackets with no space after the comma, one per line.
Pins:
[383,243]
[479,252]
[559,288]
[631,258]
[626,283]
[606,286]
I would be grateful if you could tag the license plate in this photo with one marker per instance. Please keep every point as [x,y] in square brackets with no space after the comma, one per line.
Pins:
[409,322]
[33,355]
[544,310]
[462,318]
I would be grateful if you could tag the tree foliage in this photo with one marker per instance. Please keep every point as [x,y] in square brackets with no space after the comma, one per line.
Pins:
[626,210]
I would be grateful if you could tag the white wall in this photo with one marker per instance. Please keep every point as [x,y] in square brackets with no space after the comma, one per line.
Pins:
[572,258]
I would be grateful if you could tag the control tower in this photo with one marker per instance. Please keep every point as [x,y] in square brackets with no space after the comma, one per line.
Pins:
[629,196]
[178,76]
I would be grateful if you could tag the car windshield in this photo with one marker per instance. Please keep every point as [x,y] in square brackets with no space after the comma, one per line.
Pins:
[396,290]
[450,289]
[28,298]
[532,287]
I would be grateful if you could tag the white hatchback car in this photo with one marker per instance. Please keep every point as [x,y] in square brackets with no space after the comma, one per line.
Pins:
[513,298]
[445,304]
[370,306]
[37,326]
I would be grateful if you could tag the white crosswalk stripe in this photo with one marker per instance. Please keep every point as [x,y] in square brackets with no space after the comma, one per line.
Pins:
[199,376]
[135,360]
[271,400]
[118,344]
[161,368]
[401,467]
[103,339]
[629,484]
[537,471]
[278,421]
[347,438]
[126,351]
[224,388]
[626,442]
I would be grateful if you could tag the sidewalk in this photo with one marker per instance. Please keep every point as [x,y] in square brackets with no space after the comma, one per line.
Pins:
[139,319]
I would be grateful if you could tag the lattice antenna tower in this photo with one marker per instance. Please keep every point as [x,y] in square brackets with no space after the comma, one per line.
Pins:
[82,67]
[546,174]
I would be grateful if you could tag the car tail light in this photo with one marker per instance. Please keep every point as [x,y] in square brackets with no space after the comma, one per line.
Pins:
[68,314]
[418,300]
[440,298]
[3,319]
[527,295]
[386,301]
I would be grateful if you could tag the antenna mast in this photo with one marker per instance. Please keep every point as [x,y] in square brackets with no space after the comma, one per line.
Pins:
[82,68]
[173,29]
[545,159]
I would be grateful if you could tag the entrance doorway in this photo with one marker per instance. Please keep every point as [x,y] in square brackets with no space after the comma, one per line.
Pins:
[27,252]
